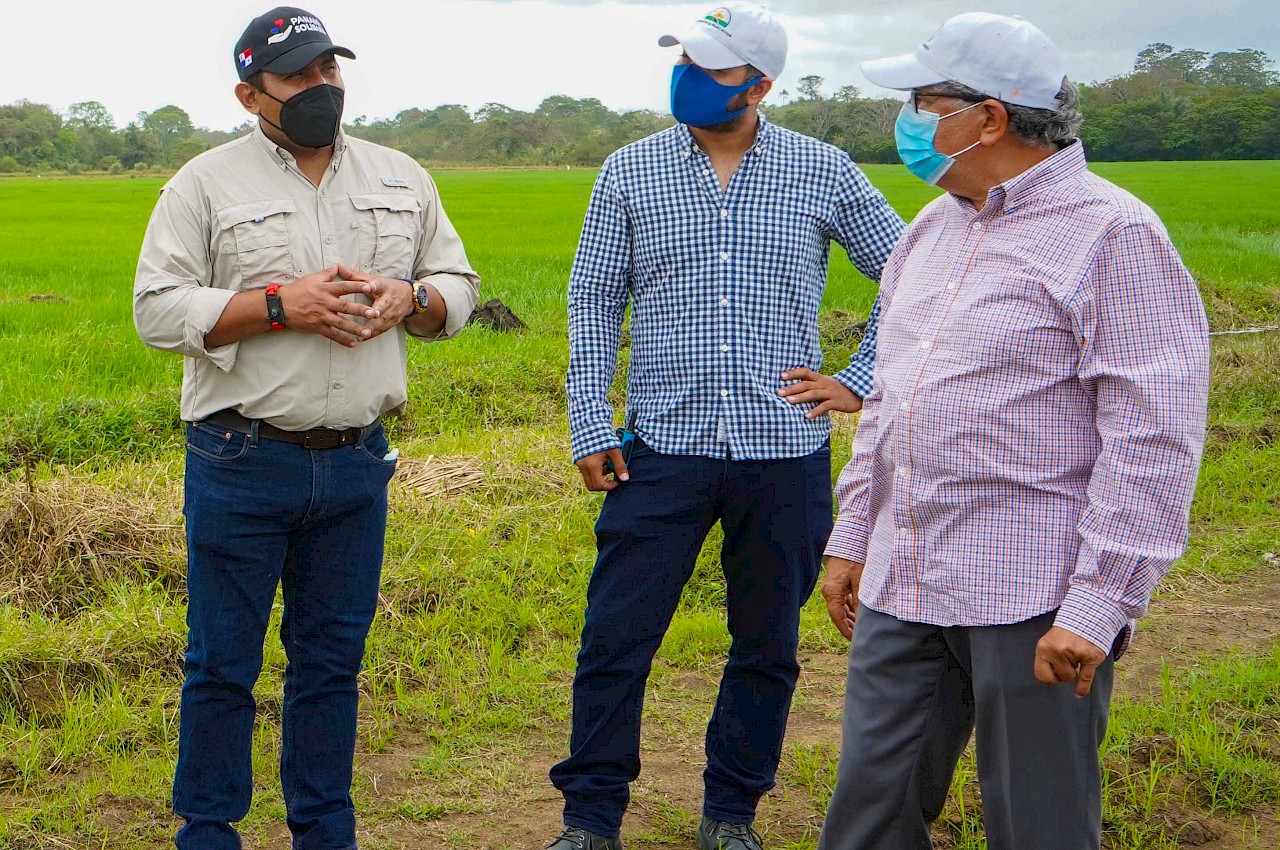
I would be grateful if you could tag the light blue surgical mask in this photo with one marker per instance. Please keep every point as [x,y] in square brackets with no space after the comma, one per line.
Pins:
[699,101]
[915,131]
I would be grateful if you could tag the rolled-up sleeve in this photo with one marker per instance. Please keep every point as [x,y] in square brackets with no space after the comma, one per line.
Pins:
[442,262]
[174,302]
[1146,352]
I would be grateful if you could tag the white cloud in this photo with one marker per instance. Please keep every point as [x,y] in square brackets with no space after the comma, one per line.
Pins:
[147,53]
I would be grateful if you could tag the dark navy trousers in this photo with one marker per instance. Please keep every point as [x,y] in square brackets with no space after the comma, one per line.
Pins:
[776,516]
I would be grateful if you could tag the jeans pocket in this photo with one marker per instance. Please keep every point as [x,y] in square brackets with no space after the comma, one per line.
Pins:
[377,449]
[217,444]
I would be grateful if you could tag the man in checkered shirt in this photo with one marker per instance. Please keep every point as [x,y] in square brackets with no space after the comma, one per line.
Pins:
[717,232]
[1023,468]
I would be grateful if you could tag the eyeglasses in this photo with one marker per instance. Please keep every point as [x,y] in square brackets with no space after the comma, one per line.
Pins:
[916,95]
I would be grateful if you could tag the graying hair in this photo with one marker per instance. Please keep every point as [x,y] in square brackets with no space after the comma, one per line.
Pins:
[1046,128]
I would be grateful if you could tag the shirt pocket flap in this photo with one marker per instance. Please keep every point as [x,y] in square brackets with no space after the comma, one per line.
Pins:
[385,201]
[258,224]
[393,214]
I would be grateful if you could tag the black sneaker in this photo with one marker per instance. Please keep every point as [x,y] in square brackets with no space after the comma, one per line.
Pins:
[718,835]
[576,838]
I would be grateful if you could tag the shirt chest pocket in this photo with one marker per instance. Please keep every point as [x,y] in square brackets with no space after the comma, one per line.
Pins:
[388,226]
[1013,318]
[254,235]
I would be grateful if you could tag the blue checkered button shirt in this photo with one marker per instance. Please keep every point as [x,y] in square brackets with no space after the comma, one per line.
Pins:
[724,290]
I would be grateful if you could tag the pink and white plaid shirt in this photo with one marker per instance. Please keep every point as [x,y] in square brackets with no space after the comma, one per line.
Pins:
[1037,419]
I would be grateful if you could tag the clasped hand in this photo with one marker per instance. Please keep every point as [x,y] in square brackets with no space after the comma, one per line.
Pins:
[316,304]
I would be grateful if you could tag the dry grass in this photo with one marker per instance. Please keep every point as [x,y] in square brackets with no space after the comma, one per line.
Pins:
[68,539]
[440,476]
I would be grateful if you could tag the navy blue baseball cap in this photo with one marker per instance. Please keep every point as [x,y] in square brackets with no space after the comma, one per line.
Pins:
[283,41]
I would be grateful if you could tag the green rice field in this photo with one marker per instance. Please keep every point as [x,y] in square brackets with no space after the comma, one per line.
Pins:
[466,688]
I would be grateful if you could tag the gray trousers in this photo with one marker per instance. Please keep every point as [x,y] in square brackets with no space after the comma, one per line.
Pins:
[914,695]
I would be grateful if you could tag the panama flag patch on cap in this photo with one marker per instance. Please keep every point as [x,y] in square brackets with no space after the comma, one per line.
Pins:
[246,59]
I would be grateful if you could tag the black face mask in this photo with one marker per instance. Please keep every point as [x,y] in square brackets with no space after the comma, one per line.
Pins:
[310,119]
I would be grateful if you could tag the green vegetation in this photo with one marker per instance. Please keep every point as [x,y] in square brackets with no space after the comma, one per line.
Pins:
[1174,105]
[466,683]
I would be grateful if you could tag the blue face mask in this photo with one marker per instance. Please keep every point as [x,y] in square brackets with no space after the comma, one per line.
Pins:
[915,132]
[699,101]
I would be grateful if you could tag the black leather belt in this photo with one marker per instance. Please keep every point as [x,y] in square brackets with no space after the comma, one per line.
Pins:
[316,438]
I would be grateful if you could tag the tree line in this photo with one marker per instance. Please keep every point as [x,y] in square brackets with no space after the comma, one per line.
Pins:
[1175,104]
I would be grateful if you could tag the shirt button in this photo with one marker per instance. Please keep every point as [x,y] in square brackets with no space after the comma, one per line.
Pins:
[724,302]
[904,406]
[724,255]
[724,348]
[328,240]
[904,531]
[724,393]
[724,213]
[337,385]
[951,287]
[925,344]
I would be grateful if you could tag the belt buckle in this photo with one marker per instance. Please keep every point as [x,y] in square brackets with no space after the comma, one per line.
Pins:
[318,438]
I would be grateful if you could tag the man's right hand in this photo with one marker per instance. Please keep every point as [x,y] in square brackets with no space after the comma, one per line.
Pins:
[314,304]
[840,590]
[593,469]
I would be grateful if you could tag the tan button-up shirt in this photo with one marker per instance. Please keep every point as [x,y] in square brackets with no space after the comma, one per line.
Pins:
[242,216]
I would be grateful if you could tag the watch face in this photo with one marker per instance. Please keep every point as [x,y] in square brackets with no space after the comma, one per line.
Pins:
[420,296]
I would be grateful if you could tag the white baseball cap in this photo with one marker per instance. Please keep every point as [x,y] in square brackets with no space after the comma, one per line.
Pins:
[733,35]
[1004,57]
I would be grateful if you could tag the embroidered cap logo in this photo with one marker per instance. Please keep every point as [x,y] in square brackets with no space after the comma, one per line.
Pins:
[277,35]
[720,17]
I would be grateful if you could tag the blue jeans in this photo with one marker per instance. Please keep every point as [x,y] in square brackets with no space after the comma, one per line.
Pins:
[262,513]
[776,517]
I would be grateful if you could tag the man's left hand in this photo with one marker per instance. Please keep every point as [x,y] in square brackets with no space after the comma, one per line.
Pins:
[1063,656]
[392,300]
[823,391]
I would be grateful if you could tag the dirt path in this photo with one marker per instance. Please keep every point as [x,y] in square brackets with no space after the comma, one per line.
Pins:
[519,810]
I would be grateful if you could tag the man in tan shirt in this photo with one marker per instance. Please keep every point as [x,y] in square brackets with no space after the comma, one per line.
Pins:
[288,267]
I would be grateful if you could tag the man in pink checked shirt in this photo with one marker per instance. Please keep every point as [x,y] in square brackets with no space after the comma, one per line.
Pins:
[1023,469]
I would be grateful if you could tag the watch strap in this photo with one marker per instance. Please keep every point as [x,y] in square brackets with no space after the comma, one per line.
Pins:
[275,307]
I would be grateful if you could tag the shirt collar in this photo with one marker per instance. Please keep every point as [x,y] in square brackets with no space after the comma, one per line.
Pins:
[765,132]
[285,159]
[1016,191]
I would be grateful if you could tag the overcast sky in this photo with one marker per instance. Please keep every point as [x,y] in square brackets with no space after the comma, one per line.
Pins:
[142,54]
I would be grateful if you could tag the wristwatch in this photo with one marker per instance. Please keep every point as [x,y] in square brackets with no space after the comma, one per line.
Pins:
[275,307]
[421,296]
